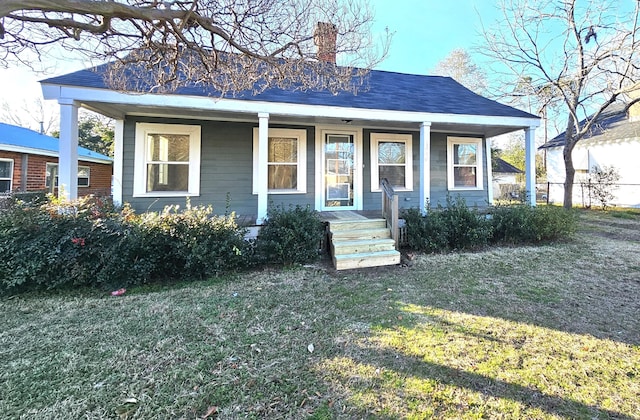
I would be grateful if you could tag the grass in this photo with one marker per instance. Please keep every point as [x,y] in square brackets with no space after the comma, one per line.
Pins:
[525,332]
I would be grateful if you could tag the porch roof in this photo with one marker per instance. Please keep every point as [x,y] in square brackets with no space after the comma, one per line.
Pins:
[386,99]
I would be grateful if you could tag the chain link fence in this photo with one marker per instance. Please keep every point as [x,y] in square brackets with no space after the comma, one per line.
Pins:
[585,194]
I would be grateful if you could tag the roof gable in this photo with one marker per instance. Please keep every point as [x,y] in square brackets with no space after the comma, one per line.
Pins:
[381,90]
[612,124]
[502,166]
[12,136]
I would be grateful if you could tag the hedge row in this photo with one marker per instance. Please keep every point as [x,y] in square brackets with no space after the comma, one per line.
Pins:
[457,226]
[90,242]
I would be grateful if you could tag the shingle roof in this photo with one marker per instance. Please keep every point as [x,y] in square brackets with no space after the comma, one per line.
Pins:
[382,90]
[612,124]
[12,135]
[501,166]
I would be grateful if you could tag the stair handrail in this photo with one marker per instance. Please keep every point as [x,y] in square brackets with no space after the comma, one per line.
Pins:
[390,209]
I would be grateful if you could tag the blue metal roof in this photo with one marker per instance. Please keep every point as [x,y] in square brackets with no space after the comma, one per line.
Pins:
[13,135]
[381,90]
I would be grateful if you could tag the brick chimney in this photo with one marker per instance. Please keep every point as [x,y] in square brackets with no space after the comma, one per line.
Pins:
[325,37]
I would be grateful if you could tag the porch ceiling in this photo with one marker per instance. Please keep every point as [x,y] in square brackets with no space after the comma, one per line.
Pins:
[119,111]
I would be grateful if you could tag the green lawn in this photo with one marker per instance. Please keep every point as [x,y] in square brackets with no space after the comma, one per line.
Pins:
[528,332]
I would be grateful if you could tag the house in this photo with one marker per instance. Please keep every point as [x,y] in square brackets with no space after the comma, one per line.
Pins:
[614,141]
[505,182]
[29,162]
[425,134]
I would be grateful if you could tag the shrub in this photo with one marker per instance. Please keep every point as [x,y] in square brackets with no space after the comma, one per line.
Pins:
[603,184]
[197,242]
[554,223]
[90,242]
[513,224]
[425,233]
[453,227]
[466,227]
[526,224]
[290,236]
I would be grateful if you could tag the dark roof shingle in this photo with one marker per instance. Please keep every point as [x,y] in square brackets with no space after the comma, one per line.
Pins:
[382,90]
[612,124]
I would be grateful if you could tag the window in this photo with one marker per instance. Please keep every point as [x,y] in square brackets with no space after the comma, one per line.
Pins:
[391,158]
[6,174]
[464,163]
[286,161]
[84,173]
[167,161]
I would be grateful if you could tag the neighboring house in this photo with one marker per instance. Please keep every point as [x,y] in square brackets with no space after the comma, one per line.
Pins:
[29,162]
[505,182]
[425,134]
[614,141]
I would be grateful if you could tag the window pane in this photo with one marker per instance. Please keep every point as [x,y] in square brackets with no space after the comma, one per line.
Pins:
[167,177]
[391,152]
[283,150]
[394,174]
[464,177]
[5,169]
[83,172]
[52,173]
[464,154]
[5,185]
[283,177]
[168,147]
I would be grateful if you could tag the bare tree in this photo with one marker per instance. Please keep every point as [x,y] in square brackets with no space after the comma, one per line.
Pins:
[460,66]
[228,45]
[583,56]
[30,113]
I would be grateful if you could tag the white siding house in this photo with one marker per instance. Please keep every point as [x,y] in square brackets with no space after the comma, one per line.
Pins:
[614,142]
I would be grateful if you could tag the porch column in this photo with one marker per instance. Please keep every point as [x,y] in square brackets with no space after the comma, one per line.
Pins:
[263,155]
[118,151]
[487,148]
[530,163]
[68,150]
[425,165]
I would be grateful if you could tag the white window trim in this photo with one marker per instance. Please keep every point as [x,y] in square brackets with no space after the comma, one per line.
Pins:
[79,167]
[140,172]
[301,137]
[88,168]
[407,139]
[11,163]
[451,141]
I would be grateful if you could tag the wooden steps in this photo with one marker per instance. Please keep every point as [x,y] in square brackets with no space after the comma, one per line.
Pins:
[361,243]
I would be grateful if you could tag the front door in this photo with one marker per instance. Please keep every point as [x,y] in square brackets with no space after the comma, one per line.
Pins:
[340,171]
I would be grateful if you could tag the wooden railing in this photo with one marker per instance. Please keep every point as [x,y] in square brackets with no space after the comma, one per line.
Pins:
[390,209]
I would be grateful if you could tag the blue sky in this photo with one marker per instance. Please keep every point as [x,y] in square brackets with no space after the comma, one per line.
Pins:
[425,32]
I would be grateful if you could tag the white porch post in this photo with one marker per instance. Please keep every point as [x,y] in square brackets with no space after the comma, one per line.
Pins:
[263,152]
[68,150]
[118,151]
[425,164]
[489,171]
[530,163]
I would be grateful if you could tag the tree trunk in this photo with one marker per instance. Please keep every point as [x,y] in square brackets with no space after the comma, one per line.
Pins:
[569,176]
[569,143]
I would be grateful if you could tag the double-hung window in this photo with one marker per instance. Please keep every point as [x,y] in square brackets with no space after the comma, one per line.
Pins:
[464,163]
[84,176]
[167,160]
[6,174]
[391,158]
[286,161]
